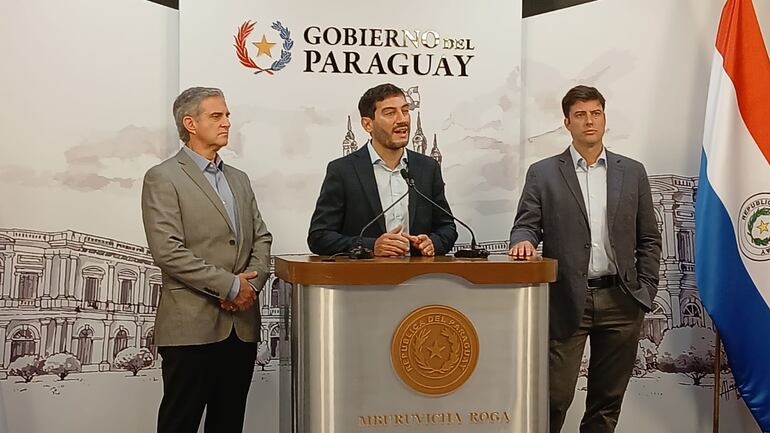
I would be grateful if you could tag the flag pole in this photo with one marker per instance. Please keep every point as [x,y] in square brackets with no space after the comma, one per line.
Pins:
[717,381]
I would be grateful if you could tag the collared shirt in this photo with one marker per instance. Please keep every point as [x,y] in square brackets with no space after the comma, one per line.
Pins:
[593,185]
[213,172]
[390,186]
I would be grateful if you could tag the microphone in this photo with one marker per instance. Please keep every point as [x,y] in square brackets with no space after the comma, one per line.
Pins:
[358,251]
[474,252]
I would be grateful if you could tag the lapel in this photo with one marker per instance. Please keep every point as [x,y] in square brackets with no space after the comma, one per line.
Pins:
[362,164]
[412,164]
[567,168]
[615,171]
[193,171]
[241,204]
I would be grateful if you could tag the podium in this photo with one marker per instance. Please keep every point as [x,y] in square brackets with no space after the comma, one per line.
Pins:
[414,344]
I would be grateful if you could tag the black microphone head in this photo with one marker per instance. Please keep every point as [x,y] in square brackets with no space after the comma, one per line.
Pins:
[405,174]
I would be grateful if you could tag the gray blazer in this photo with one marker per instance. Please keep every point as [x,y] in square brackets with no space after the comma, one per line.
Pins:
[193,245]
[552,210]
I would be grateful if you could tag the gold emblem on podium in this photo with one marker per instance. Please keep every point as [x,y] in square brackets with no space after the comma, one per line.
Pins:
[435,349]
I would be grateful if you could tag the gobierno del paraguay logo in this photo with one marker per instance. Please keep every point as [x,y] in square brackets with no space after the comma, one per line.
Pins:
[356,50]
[264,48]
[753,227]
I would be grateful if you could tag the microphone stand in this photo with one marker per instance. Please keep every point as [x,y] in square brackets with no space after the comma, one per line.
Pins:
[474,252]
[358,251]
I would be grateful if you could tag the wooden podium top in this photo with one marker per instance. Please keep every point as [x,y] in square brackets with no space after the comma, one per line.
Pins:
[497,269]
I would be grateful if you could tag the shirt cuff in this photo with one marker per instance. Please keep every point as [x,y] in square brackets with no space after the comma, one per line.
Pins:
[231,295]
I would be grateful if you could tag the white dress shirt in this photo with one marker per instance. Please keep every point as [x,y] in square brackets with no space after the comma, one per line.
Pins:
[391,185]
[593,185]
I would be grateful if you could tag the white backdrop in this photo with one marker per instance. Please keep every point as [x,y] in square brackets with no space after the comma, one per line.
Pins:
[86,110]
[289,125]
[87,90]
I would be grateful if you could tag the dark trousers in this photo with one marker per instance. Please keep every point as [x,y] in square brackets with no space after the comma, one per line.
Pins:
[613,320]
[213,376]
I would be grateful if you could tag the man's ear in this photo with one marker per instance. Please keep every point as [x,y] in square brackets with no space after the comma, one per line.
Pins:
[366,123]
[189,124]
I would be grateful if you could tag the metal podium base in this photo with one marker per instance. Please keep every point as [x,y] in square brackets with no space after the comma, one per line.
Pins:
[345,374]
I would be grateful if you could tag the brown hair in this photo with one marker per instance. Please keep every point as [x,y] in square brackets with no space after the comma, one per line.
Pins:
[375,95]
[580,93]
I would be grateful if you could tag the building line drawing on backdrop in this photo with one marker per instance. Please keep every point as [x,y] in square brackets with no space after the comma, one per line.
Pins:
[96,297]
[89,296]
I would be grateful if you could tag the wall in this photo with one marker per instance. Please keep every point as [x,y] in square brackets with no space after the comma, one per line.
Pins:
[86,109]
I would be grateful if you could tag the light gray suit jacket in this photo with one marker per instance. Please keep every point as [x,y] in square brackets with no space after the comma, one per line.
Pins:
[192,243]
[552,210]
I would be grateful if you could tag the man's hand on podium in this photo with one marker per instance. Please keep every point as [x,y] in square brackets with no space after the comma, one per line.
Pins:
[423,243]
[391,244]
[523,250]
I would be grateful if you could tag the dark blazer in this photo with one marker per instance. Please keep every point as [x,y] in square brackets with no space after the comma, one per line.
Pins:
[552,210]
[349,199]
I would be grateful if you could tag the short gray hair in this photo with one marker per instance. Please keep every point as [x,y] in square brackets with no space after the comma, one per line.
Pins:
[188,103]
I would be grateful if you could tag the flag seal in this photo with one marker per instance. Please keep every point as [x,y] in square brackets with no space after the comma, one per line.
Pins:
[753,228]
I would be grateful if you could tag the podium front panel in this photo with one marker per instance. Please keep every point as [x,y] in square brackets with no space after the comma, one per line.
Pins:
[341,372]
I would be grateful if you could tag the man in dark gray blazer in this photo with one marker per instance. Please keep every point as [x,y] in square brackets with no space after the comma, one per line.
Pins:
[592,210]
[208,238]
[359,186]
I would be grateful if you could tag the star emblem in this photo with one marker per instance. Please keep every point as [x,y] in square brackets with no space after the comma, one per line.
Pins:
[264,47]
[435,350]
[762,226]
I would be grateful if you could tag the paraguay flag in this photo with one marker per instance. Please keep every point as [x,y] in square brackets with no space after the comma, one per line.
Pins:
[732,252]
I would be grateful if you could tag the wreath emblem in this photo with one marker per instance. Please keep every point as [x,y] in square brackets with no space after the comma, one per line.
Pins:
[434,349]
[447,365]
[750,225]
[243,53]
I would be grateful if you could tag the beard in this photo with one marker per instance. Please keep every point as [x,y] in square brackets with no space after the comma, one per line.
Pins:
[389,140]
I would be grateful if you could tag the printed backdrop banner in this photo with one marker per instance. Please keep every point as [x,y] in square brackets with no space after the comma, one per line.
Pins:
[83,126]
[292,75]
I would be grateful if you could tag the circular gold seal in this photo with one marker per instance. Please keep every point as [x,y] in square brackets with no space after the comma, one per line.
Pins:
[434,349]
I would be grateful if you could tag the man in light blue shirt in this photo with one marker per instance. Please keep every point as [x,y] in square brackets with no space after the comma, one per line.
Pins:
[212,171]
[593,184]
[391,185]
[592,210]
[206,234]
[358,187]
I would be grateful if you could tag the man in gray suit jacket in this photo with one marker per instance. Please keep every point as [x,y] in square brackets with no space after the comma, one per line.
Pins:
[207,236]
[593,212]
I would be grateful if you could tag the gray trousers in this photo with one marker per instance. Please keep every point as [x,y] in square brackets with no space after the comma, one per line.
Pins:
[613,320]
